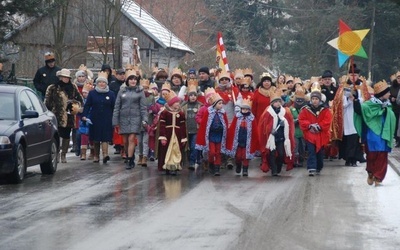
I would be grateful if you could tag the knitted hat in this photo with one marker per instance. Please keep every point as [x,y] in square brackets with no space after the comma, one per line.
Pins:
[192,71]
[381,88]
[204,70]
[102,76]
[64,73]
[327,74]
[80,73]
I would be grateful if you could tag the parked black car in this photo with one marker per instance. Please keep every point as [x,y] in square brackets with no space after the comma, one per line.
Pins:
[28,133]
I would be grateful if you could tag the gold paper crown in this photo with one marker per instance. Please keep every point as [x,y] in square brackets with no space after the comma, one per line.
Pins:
[209,91]
[239,73]
[176,71]
[113,72]
[265,74]
[246,103]
[306,85]
[170,95]
[87,86]
[82,67]
[192,85]
[145,83]
[276,95]
[380,86]
[153,85]
[128,66]
[289,78]
[49,56]
[246,82]
[282,86]
[130,72]
[166,86]
[102,74]
[315,87]
[315,79]
[397,73]
[393,77]
[297,80]
[137,70]
[299,92]
[214,98]
[155,70]
[248,71]
[224,74]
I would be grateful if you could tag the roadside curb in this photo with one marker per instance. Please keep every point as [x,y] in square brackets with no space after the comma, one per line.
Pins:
[393,162]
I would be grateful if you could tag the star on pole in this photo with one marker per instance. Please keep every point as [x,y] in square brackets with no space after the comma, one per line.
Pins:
[349,43]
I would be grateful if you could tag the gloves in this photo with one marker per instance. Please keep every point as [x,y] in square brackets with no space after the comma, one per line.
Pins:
[314,128]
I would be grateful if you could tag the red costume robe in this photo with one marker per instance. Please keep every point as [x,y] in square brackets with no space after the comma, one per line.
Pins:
[252,144]
[261,100]
[172,129]
[267,122]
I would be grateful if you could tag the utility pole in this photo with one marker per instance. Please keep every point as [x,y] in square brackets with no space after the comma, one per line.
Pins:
[371,43]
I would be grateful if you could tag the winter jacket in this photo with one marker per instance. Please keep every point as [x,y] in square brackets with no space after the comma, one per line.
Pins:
[130,110]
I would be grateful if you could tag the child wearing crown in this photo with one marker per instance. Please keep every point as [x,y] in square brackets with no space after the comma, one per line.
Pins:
[375,123]
[242,140]
[212,133]
[298,102]
[191,108]
[315,121]
[276,130]
[172,133]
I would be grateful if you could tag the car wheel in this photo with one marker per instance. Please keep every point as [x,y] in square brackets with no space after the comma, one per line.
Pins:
[18,173]
[50,166]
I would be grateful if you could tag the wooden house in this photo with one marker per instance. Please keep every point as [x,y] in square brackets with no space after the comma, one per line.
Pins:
[84,30]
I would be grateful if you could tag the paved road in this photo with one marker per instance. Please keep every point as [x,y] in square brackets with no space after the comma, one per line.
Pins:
[88,206]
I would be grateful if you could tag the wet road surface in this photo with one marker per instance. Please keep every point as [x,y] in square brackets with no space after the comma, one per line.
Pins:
[95,206]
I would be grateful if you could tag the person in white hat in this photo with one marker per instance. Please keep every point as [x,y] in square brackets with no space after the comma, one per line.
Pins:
[64,100]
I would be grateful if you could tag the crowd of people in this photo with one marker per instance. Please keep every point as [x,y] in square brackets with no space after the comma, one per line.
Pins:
[208,119]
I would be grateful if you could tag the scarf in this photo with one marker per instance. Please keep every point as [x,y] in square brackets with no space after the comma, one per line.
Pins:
[271,139]
[100,90]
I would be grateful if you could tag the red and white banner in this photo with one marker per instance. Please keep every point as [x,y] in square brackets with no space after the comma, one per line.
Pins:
[221,59]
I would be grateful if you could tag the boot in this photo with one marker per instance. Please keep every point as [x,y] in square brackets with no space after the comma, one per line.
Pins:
[96,153]
[211,168]
[91,153]
[140,160]
[64,150]
[238,167]
[216,170]
[144,161]
[83,152]
[104,149]
[130,163]
[245,171]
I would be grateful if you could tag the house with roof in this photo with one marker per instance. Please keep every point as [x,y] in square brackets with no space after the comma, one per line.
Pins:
[94,32]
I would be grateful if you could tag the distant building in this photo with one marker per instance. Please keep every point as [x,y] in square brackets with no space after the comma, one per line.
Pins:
[84,38]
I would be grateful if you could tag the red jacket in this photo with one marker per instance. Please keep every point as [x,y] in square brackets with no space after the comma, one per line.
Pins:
[323,118]
[252,144]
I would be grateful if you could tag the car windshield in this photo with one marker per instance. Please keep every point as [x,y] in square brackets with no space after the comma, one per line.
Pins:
[7,107]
